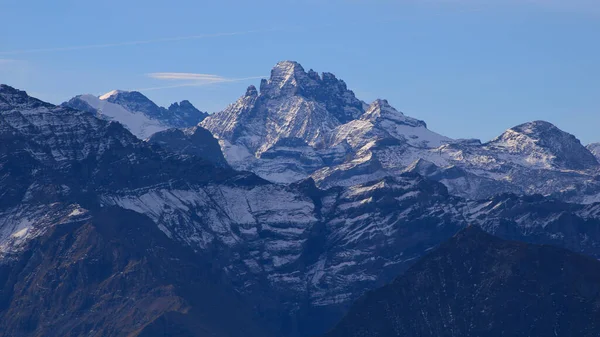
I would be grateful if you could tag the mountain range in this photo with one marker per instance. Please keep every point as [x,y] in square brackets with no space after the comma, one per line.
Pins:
[303,124]
[119,217]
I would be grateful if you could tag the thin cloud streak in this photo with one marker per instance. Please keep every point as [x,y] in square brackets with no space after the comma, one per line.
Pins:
[134,43]
[185,76]
[201,83]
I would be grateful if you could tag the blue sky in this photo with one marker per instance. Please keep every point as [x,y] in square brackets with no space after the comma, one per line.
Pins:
[469,68]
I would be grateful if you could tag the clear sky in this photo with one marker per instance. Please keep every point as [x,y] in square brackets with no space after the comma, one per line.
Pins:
[469,68]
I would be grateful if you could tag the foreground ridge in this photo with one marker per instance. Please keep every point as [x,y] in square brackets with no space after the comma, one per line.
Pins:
[478,285]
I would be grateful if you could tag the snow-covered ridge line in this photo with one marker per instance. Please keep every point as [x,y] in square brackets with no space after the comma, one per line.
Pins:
[138,113]
[339,140]
[138,123]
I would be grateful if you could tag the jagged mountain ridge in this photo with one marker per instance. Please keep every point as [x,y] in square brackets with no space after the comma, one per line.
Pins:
[478,285]
[370,142]
[138,113]
[319,110]
[531,158]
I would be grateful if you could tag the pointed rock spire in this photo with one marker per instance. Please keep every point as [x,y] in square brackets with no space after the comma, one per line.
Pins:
[251,91]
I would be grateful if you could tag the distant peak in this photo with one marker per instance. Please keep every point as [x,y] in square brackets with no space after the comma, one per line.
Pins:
[186,103]
[288,66]
[534,130]
[534,126]
[128,98]
[111,94]
[547,145]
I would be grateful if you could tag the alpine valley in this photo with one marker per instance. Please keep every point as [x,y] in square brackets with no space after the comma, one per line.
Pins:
[272,217]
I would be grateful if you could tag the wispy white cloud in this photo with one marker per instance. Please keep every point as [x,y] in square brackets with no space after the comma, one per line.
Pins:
[132,43]
[193,80]
[186,76]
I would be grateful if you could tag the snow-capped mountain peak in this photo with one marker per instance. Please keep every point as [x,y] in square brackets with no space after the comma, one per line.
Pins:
[318,109]
[137,122]
[111,94]
[291,103]
[526,133]
[137,112]
[287,78]
[545,145]
[134,101]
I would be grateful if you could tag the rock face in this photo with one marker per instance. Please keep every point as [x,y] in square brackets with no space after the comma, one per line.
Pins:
[478,285]
[137,113]
[341,141]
